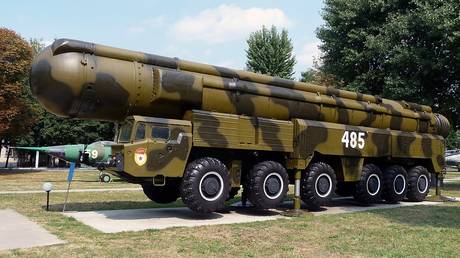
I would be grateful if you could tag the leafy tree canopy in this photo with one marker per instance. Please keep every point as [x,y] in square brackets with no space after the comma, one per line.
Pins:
[397,49]
[16,116]
[270,52]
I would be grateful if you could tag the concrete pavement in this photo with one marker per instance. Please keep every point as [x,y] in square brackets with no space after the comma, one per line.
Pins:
[17,231]
[114,221]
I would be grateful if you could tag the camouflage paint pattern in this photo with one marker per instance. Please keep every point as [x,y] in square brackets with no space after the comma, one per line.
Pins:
[86,80]
[217,107]
[166,157]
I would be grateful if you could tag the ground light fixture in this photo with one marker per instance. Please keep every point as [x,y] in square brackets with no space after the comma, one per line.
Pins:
[47,187]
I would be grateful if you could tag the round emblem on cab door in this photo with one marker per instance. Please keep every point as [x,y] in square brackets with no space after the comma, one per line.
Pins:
[140,156]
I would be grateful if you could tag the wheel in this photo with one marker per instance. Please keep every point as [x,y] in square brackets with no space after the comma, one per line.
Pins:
[106,178]
[205,185]
[369,187]
[394,184]
[267,184]
[162,194]
[317,185]
[419,182]
[233,192]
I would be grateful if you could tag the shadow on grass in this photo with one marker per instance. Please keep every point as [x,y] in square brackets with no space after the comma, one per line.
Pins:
[7,172]
[12,171]
[423,215]
[111,205]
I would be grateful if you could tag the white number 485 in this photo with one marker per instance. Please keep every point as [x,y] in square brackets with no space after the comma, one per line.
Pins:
[354,139]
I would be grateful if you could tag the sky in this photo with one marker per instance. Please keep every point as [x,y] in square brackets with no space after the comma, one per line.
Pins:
[212,32]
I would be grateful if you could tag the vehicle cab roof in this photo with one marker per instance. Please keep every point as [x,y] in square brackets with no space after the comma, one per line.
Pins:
[148,119]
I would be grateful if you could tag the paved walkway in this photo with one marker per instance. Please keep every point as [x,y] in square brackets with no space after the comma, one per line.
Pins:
[114,221]
[76,190]
[17,231]
[349,205]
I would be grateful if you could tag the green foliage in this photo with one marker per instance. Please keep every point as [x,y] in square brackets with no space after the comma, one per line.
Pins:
[16,115]
[398,49]
[308,75]
[453,140]
[270,52]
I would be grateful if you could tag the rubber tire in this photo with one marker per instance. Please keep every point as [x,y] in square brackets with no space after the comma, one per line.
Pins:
[308,192]
[255,184]
[190,191]
[361,193]
[413,193]
[161,194]
[233,192]
[106,178]
[389,175]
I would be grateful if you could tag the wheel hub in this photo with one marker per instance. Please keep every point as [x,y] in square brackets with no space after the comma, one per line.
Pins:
[210,186]
[422,184]
[373,184]
[323,185]
[399,184]
[272,186]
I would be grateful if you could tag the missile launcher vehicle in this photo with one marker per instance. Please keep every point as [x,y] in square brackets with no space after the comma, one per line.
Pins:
[200,132]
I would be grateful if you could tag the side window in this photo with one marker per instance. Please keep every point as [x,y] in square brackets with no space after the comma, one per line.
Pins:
[140,132]
[161,133]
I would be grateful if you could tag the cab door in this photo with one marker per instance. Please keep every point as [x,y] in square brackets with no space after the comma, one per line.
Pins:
[169,148]
[135,156]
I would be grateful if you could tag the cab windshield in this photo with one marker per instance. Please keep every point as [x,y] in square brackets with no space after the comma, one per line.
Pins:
[125,132]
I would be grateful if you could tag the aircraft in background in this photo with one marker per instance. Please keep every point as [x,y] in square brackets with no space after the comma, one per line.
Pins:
[95,154]
[453,158]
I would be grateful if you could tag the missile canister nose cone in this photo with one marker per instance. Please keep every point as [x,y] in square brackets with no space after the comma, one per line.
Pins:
[69,80]
[56,80]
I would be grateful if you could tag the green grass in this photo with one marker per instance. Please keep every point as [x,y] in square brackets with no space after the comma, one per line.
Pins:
[11,180]
[416,231]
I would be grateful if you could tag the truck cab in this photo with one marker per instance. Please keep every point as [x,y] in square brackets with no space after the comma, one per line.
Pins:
[151,148]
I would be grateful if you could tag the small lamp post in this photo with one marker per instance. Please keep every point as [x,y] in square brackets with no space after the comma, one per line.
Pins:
[47,187]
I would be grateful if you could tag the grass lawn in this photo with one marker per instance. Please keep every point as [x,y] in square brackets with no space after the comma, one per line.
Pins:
[13,180]
[417,231]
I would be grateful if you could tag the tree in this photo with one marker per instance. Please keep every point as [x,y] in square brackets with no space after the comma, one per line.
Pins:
[16,115]
[316,76]
[397,49]
[453,140]
[270,52]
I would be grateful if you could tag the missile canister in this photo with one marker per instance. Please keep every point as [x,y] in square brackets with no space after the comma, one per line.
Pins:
[90,81]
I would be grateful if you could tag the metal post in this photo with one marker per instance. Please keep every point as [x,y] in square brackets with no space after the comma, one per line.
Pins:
[37,157]
[47,200]
[66,196]
[8,157]
[438,188]
[297,202]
